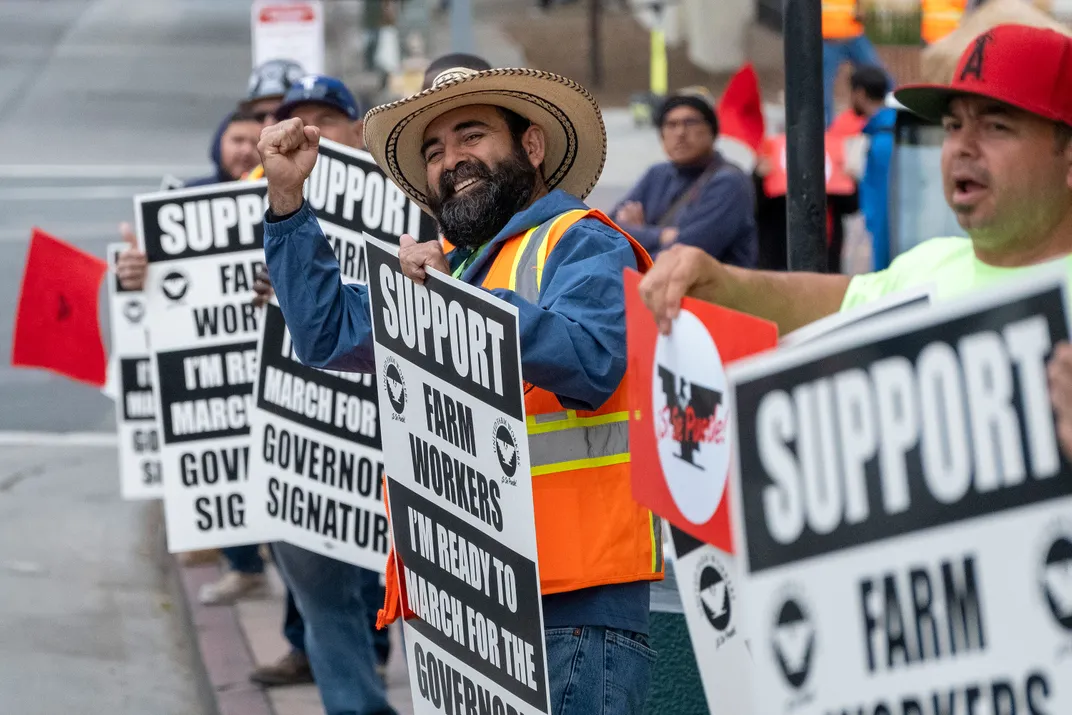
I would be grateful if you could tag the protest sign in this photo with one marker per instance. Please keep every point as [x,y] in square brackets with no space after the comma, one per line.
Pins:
[901,510]
[204,247]
[332,507]
[710,592]
[920,297]
[135,405]
[680,442]
[679,434]
[351,196]
[460,491]
[316,457]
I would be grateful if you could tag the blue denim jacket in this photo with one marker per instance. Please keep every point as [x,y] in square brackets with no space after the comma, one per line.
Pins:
[572,343]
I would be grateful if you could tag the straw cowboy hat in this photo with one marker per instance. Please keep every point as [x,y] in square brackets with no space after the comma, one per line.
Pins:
[567,113]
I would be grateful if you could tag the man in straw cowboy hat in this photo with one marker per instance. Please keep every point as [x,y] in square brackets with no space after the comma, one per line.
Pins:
[502,159]
[1007,174]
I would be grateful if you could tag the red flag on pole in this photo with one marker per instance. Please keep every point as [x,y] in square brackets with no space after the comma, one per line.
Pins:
[57,326]
[740,111]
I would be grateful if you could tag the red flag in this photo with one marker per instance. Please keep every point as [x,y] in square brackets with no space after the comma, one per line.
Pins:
[740,111]
[679,435]
[57,326]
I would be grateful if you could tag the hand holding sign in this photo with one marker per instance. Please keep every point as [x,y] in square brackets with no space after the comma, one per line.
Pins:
[1060,369]
[262,288]
[678,272]
[416,258]
[288,151]
[132,264]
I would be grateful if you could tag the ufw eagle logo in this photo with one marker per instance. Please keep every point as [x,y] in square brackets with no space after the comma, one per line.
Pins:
[689,416]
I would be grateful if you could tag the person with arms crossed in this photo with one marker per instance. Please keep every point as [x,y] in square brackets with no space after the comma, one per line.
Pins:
[502,158]
[697,198]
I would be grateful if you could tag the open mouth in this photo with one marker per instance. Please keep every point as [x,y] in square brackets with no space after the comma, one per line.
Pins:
[967,191]
[465,184]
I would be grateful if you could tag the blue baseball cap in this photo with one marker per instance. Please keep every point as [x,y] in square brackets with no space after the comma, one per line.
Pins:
[319,89]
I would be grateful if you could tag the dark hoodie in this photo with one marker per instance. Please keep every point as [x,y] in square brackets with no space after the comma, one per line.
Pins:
[214,154]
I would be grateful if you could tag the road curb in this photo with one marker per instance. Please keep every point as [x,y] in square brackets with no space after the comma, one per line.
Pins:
[224,659]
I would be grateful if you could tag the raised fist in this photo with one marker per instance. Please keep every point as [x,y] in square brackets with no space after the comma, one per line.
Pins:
[288,153]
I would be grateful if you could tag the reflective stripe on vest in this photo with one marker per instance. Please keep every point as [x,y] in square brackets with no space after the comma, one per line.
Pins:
[526,275]
[562,441]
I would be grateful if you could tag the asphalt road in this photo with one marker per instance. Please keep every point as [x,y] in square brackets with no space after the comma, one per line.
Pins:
[98,99]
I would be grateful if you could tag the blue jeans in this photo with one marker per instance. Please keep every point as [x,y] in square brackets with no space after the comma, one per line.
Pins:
[373,594]
[330,596]
[598,671]
[293,625]
[245,559]
[859,51]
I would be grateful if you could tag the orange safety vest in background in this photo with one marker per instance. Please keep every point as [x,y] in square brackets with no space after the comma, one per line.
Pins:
[589,530]
[839,20]
[940,17]
[838,182]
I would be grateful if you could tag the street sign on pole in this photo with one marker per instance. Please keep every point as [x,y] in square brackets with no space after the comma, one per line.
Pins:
[289,30]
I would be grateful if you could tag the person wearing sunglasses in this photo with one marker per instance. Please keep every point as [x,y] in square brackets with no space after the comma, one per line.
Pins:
[268,84]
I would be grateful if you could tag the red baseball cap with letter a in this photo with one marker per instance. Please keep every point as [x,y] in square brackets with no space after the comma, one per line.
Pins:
[1025,67]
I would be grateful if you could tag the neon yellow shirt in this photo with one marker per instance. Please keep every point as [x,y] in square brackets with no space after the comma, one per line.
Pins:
[949,264]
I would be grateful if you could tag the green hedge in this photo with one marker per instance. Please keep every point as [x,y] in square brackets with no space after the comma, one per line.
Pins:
[891,26]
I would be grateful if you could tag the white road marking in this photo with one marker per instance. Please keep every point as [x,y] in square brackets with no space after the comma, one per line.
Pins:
[100,171]
[59,439]
[72,193]
[67,232]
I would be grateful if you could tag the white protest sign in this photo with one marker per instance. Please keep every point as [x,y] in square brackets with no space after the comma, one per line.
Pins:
[204,247]
[888,305]
[316,456]
[289,30]
[316,452]
[351,197]
[460,490]
[708,578]
[904,515]
[135,405]
[709,587]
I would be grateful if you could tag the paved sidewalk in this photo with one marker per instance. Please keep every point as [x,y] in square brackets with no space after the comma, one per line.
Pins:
[234,639]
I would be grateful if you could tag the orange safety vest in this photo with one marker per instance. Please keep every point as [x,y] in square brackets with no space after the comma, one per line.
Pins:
[589,530]
[255,173]
[838,182]
[940,17]
[839,20]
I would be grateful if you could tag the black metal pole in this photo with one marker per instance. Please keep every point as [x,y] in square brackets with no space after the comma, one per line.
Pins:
[805,129]
[595,44]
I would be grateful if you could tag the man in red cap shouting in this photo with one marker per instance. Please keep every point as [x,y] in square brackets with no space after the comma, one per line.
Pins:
[1007,174]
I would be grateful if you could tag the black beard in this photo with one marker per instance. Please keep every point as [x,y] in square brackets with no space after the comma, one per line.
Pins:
[475,217]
